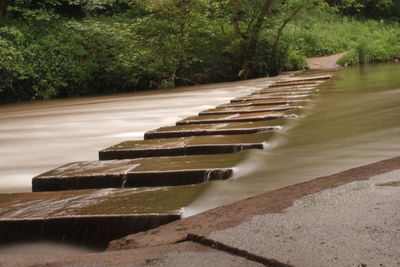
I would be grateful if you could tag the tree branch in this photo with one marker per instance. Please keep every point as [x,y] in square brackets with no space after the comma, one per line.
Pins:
[282,27]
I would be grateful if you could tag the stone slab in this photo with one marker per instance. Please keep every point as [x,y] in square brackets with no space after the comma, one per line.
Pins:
[284,93]
[92,217]
[294,83]
[268,102]
[262,101]
[232,128]
[193,145]
[247,109]
[226,118]
[289,89]
[310,78]
[261,96]
[161,171]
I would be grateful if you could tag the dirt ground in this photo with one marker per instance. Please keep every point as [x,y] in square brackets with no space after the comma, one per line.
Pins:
[328,62]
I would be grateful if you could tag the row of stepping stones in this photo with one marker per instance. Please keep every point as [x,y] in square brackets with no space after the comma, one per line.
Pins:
[197,149]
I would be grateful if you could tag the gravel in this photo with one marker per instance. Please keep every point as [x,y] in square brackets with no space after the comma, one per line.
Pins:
[357,224]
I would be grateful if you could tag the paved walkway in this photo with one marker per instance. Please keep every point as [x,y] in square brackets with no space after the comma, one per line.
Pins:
[357,224]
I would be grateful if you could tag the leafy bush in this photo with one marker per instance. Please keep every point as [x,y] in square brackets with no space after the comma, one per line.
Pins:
[46,54]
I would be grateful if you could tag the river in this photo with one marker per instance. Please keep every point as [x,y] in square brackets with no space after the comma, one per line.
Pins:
[354,120]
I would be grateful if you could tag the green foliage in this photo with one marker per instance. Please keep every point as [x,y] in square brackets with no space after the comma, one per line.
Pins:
[54,48]
[362,51]
[319,34]
[375,9]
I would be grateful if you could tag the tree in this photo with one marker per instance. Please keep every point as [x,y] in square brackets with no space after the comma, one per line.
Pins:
[4,9]
[376,9]
[176,17]
[254,16]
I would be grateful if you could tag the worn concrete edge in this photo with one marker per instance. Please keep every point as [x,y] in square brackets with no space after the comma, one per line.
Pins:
[186,133]
[238,212]
[132,179]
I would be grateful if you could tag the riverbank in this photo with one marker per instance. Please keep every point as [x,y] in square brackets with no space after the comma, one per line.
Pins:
[362,201]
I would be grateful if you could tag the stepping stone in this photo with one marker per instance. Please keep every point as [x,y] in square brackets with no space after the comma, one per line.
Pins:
[312,78]
[226,118]
[266,97]
[215,129]
[289,89]
[162,171]
[263,102]
[290,83]
[247,109]
[193,145]
[284,93]
[92,217]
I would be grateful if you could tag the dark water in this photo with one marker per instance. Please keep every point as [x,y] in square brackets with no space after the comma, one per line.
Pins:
[353,121]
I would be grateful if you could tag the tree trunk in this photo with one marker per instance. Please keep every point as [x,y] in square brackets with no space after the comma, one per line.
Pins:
[276,64]
[3,10]
[235,21]
[252,42]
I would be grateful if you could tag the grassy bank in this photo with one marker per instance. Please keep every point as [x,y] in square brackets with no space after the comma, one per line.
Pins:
[326,33]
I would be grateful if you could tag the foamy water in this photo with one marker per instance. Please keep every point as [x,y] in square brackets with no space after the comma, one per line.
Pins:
[37,137]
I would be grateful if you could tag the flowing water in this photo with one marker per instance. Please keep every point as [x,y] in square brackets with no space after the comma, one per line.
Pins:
[37,137]
[353,121]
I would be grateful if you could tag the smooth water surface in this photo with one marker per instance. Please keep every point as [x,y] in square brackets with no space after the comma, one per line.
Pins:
[353,121]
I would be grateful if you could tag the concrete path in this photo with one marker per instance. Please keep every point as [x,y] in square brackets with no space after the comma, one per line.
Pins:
[357,224]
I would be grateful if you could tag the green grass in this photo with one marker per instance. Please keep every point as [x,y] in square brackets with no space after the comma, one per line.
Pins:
[326,33]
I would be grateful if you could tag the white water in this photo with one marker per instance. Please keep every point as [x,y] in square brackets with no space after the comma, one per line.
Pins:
[37,137]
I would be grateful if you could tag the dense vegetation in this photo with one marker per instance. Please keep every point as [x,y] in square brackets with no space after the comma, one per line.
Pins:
[60,48]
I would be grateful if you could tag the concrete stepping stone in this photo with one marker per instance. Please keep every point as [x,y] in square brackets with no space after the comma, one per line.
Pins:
[193,145]
[237,117]
[264,102]
[266,97]
[294,83]
[247,109]
[284,93]
[161,171]
[311,78]
[215,129]
[92,217]
[288,89]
